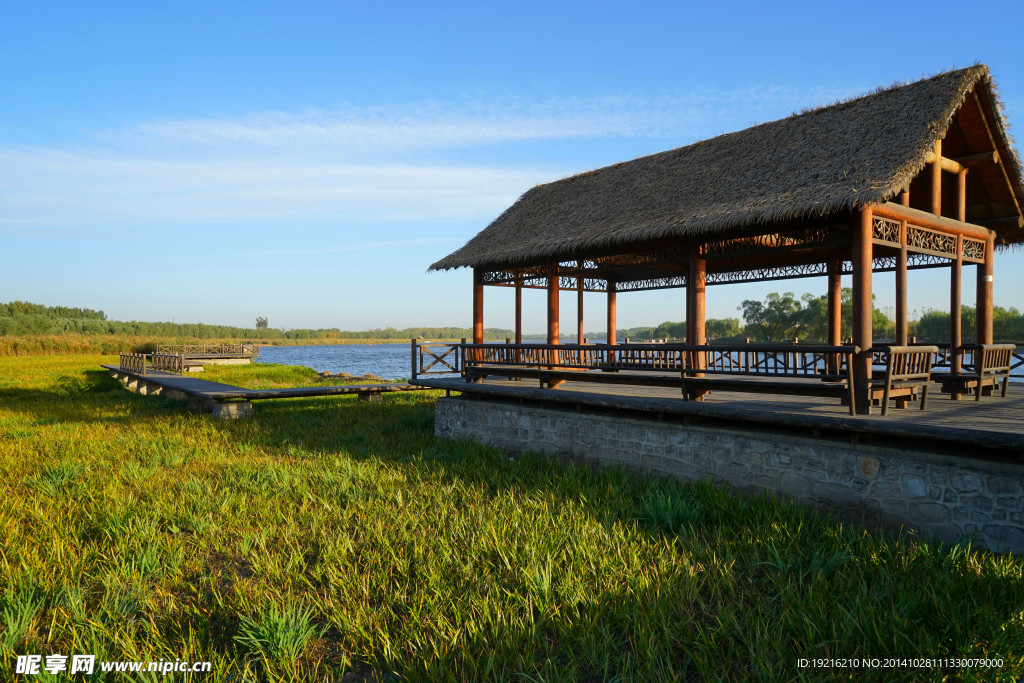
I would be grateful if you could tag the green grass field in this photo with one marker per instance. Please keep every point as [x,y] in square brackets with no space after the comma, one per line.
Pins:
[328,539]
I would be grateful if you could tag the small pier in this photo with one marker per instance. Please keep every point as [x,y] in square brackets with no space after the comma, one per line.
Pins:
[224,401]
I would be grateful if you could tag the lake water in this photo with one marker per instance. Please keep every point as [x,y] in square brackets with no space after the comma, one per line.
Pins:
[390,361]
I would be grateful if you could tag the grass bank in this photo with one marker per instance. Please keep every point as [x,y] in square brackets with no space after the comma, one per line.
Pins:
[327,538]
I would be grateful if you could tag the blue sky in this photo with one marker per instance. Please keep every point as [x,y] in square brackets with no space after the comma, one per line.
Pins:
[306,161]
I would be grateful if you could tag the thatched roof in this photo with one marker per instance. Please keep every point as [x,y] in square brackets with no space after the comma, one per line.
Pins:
[832,159]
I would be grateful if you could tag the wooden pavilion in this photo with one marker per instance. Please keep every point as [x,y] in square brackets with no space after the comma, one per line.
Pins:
[918,175]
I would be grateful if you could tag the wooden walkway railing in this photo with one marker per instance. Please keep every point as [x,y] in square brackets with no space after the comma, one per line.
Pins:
[252,350]
[134,363]
[169,362]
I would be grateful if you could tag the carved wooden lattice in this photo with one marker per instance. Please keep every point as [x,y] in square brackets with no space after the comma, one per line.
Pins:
[931,241]
[974,250]
[885,230]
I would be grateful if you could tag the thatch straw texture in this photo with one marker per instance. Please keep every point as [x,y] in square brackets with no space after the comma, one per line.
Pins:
[831,159]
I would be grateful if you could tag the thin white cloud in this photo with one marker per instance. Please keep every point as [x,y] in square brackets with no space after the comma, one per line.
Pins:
[433,125]
[351,165]
[362,246]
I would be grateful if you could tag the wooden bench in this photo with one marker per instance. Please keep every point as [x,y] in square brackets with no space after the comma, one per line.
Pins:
[992,363]
[694,369]
[907,371]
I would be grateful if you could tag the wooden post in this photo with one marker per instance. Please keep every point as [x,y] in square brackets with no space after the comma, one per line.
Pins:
[955,338]
[901,288]
[695,286]
[961,195]
[412,375]
[553,303]
[519,309]
[937,180]
[835,301]
[579,304]
[612,322]
[478,306]
[984,298]
[862,337]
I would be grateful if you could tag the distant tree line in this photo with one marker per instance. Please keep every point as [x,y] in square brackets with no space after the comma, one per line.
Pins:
[16,308]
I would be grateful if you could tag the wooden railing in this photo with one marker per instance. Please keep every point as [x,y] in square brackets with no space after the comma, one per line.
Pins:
[169,362]
[436,359]
[134,363]
[805,360]
[252,350]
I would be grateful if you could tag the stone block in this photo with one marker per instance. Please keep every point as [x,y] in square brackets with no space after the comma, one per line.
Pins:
[1002,538]
[868,467]
[1008,503]
[838,494]
[231,410]
[966,482]
[928,513]
[884,490]
[1001,483]
[915,486]
[982,503]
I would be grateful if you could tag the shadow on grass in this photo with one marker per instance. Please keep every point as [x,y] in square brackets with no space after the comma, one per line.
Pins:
[757,582]
[749,586]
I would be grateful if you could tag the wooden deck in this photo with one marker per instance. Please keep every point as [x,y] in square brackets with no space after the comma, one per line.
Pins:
[972,427]
[214,396]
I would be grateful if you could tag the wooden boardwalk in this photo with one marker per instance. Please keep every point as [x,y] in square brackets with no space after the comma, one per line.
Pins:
[224,400]
[993,424]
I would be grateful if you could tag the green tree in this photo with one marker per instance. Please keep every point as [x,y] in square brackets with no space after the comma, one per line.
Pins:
[774,319]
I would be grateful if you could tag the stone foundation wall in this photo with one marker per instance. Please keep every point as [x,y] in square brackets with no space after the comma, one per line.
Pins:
[930,493]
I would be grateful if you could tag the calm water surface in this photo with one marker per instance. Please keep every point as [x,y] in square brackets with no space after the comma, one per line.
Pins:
[390,361]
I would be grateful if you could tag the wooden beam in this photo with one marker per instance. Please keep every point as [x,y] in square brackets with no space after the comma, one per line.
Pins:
[927,220]
[984,294]
[995,146]
[946,164]
[478,306]
[936,183]
[976,160]
[835,301]
[1004,222]
[862,336]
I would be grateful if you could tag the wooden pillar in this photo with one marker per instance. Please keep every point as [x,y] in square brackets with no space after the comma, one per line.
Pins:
[862,337]
[612,322]
[984,299]
[519,309]
[579,304]
[937,180]
[553,303]
[901,288]
[835,302]
[695,285]
[961,195]
[955,337]
[478,306]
